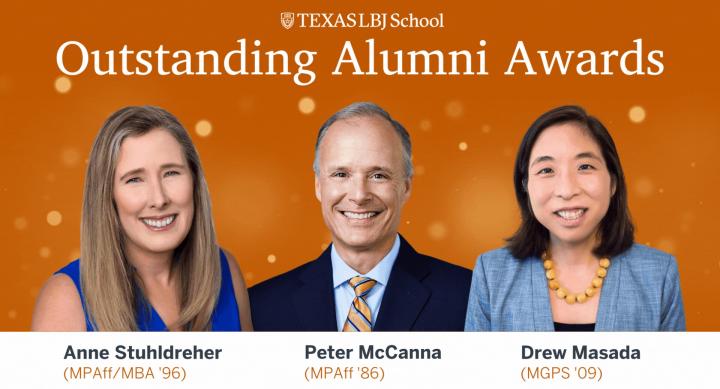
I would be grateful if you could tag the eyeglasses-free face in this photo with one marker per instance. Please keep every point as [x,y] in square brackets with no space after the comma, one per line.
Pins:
[153,193]
[569,186]
[361,183]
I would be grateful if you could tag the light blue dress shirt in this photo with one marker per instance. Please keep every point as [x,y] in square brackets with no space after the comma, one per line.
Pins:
[345,294]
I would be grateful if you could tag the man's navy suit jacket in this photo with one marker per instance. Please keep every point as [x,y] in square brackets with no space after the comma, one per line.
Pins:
[422,294]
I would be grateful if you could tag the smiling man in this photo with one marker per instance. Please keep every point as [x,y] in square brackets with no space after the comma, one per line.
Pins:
[370,278]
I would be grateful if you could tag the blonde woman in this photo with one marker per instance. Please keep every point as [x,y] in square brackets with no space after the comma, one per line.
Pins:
[149,257]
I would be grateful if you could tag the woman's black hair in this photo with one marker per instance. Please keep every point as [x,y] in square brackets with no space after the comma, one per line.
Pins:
[616,231]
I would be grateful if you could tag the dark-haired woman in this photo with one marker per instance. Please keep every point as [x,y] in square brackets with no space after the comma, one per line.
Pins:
[573,265]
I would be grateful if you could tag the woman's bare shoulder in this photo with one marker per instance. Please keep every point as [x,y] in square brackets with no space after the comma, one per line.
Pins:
[58,306]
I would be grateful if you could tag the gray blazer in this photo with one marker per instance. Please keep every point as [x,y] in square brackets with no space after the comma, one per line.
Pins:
[641,292]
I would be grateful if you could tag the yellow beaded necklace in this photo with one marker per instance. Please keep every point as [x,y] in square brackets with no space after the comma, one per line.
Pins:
[563,293]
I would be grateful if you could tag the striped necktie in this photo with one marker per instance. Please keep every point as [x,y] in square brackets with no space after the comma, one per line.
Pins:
[360,317]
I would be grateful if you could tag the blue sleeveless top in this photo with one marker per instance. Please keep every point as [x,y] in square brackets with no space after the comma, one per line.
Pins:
[225,317]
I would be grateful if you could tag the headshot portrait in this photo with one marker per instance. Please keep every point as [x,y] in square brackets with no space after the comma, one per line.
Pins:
[370,278]
[149,259]
[573,263]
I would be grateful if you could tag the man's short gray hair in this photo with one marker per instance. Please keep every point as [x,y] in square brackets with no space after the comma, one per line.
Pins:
[365,109]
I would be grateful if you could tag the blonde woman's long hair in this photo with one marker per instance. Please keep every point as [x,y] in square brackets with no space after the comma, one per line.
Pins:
[110,286]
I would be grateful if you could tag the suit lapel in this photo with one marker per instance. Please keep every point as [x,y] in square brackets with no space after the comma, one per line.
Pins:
[314,300]
[609,293]
[542,312]
[405,295]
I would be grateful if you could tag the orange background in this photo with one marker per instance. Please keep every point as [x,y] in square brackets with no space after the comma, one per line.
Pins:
[258,156]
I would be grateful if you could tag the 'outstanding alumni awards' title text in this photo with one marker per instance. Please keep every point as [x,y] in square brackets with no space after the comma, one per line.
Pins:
[250,58]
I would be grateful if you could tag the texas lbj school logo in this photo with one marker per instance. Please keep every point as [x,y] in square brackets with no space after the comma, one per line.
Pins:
[287,19]
[369,20]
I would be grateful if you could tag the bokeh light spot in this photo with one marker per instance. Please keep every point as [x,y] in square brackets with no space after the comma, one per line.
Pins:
[203,128]
[437,230]
[63,85]
[306,105]
[637,114]
[644,187]
[454,109]
[20,223]
[463,146]
[54,218]
[246,104]
[70,157]
[271,258]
